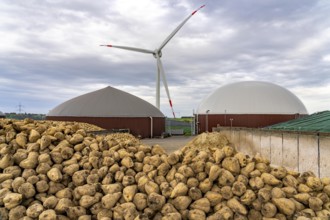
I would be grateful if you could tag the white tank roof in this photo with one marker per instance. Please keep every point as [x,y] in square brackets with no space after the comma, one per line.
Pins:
[1,113]
[106,102]
[252,97]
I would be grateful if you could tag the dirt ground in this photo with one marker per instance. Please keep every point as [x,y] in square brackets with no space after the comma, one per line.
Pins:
[170,144]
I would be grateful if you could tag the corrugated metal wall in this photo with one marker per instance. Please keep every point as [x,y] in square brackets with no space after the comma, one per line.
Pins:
[240,120]
[136,125]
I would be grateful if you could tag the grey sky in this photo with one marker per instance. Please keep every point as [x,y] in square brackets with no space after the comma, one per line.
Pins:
[49,50]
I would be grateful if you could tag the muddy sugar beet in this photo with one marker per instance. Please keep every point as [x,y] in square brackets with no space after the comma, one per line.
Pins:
[57,170]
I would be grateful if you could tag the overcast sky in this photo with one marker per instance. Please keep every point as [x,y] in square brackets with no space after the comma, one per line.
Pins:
[49,49]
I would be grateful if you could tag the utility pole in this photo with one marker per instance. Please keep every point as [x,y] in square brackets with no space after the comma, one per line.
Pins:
[207,121]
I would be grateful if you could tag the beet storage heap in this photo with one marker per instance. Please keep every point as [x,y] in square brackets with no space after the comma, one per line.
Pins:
[55,170]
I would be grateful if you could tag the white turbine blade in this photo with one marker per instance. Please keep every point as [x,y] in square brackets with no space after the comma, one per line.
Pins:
[177,29]
[161,69]
[130,48]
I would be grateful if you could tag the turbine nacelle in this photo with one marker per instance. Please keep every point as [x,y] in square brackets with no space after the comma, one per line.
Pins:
[157,52]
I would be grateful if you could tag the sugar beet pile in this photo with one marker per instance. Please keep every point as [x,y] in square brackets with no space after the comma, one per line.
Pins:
[56,170]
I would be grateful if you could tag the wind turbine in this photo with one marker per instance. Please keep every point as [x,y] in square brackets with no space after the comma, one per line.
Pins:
[157,53]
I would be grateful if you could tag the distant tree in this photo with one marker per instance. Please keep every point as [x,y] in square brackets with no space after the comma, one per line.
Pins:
[13,115]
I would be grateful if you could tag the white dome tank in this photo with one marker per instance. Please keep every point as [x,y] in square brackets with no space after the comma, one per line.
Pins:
[252,97]
[106,102]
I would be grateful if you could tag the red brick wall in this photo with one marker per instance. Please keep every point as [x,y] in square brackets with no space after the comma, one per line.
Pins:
[241,120]
[137,126]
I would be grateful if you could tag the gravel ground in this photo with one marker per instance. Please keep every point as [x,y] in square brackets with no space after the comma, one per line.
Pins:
[170,144]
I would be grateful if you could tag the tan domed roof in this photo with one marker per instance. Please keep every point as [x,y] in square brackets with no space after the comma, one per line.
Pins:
[252,97]
[106,102]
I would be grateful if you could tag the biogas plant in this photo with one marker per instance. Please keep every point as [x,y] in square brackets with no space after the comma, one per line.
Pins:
[249,112]
[251,104]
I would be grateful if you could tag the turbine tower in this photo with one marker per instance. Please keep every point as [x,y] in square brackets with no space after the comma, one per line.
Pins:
[157,53]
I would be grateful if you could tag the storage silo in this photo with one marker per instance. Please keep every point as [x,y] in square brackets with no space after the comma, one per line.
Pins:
[112,109]
[2,115]
[251,104]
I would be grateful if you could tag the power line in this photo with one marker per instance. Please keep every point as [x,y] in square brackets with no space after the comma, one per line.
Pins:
[20,108]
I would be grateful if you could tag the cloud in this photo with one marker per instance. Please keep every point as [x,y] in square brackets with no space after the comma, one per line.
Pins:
[50,49]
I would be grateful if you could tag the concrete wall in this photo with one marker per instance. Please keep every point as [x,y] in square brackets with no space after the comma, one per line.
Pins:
[296,151]
[324,144]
